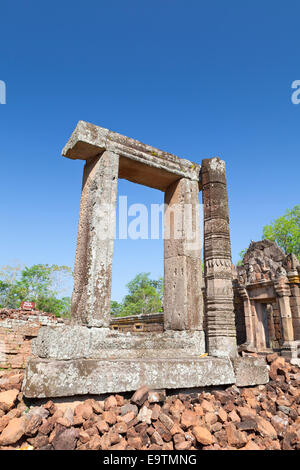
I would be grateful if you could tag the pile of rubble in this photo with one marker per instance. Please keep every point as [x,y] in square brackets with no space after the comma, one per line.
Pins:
[18,313]
[256,418]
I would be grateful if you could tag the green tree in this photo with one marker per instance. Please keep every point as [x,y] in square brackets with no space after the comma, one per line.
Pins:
[144,297]
[4,290]
[241,255]
[9,292]
[39,283]
[285,231]
[51,304]
[115,308]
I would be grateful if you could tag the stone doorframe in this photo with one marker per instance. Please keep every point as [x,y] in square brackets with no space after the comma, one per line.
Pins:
[87,357]
[110,156]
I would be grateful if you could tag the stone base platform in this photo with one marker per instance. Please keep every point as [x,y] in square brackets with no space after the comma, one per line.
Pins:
[54,378]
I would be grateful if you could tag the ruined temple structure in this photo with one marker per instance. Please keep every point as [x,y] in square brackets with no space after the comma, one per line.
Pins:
[267,300]
[87,357]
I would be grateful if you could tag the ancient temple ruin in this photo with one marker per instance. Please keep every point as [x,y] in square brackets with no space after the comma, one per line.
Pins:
[267,300]
[87,357]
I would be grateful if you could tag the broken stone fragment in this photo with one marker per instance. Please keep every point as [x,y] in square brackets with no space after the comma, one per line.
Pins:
[188,419]
[202,435]
[166,421]
[145,415]
[13,431]
[235,437]
[265,428]
[110,402]
[129,407]
[140,396]
[7,399]
[156,396]
[66,440]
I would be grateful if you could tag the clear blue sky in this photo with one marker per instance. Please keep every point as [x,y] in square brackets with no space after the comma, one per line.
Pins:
[195,78]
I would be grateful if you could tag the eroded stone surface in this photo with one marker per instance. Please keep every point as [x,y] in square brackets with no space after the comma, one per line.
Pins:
[88,141]
[183,303]
[96,232]
[220,321]
[250,371]
[90,376]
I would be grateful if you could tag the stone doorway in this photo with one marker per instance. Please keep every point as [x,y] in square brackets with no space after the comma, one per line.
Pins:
[87,357]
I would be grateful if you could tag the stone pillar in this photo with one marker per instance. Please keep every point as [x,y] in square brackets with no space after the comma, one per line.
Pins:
[262,333]
[248,318]
[283,292]
[95,240]
[183,304]
[254,323]
[295,304]
[295,307]
[293,268]
[271,326]
[221,332]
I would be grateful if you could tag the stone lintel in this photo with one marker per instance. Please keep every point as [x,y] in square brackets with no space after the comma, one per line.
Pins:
[88,141]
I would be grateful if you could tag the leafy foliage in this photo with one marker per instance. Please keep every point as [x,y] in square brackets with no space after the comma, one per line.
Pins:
[40,283]
[144,297]
[115,308]
[241,255]
[285,231]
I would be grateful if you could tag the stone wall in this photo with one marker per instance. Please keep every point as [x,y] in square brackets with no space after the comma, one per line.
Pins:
[17,329]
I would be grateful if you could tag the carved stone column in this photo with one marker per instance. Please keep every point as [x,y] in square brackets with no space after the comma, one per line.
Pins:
[248,318]
[96,232]
[293,268]
[262,333]
[221,332]
[283,292]
[295,305]
[254,323]
[183,304]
